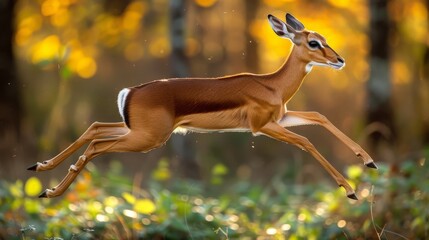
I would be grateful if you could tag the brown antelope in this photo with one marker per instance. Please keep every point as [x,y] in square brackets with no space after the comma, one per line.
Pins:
[243,102]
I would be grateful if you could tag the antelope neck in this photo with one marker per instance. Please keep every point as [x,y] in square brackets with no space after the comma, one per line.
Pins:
[289,77]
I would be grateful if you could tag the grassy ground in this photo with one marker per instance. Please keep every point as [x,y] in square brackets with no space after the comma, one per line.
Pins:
[393,205]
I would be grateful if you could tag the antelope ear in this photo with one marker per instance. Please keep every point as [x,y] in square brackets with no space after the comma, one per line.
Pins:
[281,28]
[294,23]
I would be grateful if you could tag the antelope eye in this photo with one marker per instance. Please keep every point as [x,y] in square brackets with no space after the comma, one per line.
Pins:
[314,44]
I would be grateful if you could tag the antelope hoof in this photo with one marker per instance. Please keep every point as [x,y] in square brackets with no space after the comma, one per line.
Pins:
[44,194]
[33,167]
[48,193]
[352,196]
[371,165]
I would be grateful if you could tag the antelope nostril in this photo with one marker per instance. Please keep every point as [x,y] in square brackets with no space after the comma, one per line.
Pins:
[340,60]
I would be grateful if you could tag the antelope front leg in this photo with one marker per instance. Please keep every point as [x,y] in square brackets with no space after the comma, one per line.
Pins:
[276,131]
[96,130]
[292,118]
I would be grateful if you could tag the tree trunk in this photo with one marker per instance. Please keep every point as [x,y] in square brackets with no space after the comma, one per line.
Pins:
[379,88]
[183,146]
[9,86]
[425,91]
[252,57]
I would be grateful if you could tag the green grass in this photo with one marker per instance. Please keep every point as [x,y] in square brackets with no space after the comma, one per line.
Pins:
[393,205]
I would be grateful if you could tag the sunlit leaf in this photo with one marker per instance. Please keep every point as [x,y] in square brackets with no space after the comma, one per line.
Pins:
[417,222]
[94,208]
[46,50]
[60,18]
[50,7]
[33,187]
[205,3]
[183,208]
[129,198]
[354,172]
[111,201]
[16,189]
[137,226]
[306,215]
[132,16]
[16,203]
[72,196]
[162,172]
[81,187]
[86,67]
[51,212]
[32,206]
[340,3]
[144,206]
[219,169]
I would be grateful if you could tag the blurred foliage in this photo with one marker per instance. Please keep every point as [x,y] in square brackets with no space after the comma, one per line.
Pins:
[393,203]
[52,32]
[60,42]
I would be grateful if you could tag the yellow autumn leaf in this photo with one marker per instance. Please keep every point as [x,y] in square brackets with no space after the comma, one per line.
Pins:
[129,198]
[144,206]
[51,212]
[86,67]
[162,172]
[111,201]
[46,49]
[32,206]
[16,189]
[354,172]
[33,186]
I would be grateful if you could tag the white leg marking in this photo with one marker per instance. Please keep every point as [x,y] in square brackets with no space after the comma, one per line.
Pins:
[291,121]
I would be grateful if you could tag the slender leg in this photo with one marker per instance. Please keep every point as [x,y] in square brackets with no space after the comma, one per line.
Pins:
[276,131]
[96,147]
[96,130]
[314,118]
[150,132]
[130,142]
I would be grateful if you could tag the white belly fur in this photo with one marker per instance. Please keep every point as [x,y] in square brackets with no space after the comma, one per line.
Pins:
[184,130]
[225,121]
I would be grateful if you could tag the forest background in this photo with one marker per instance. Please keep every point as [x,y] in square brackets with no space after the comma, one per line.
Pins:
[63,63]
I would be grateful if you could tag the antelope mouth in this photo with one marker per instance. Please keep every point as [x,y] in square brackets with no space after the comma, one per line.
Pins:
[336,66]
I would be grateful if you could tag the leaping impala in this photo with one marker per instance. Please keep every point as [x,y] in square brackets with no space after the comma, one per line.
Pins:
[247,102]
